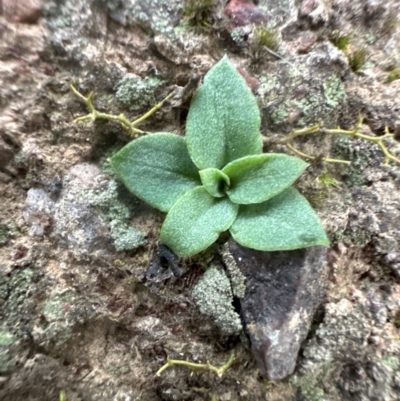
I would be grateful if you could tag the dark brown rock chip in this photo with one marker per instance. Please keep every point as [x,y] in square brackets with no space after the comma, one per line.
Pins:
[244,12]
[26,11]
[283,291]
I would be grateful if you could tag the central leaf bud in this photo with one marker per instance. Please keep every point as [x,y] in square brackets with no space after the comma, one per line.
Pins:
[215,182]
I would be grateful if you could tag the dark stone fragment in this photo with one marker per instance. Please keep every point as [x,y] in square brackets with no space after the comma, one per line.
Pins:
[163,266]
[283,291]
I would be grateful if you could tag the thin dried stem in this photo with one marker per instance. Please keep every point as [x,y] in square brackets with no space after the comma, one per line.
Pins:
[288,141]
[129,126]
[199,366]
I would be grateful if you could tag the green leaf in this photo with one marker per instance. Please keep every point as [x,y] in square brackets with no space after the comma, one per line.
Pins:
[195,221]
[224,120]
[214,181]
[257,178]
[284,222]
[157,168]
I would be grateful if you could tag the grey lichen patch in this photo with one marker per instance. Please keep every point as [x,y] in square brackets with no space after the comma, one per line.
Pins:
[62,313]
[154,16]
[310,384]
[13,294]
[363,155]
[369,214]
[338,352]
[237,279]
[281,13]
[344,334]
[17,306]
[55,308]
[307,89]
[136,93]
[334,91]
[105,198]
[87,217]
[213,296]
[38,211]
[126,238]
[320,102]
[239,35]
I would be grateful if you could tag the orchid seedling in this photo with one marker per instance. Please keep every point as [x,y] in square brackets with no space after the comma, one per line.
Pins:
[217,177]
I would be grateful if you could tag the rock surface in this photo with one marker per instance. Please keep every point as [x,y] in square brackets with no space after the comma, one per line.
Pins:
[77,319]
[87,216]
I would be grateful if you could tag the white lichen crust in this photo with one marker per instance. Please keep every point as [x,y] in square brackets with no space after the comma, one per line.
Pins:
[213,296]
[237,279]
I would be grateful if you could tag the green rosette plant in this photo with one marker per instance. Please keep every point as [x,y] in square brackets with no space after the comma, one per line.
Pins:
[217,178]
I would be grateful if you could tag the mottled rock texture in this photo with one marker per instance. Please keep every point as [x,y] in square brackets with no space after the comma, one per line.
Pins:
[75,315]
[87,216]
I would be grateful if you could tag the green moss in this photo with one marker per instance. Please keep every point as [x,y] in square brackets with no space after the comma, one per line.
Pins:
[355,237]
[135,93]
[117,370]
[198,13]
[267,37]
[341,41]
[357,58]
[17,305]
[213,296]
[8,230]
[394,74]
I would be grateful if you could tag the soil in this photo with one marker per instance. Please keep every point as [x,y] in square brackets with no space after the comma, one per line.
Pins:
[80,319]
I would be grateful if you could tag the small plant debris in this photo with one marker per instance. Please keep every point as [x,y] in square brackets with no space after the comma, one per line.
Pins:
[355,132]
[198,13]
[199,366]
[267,37]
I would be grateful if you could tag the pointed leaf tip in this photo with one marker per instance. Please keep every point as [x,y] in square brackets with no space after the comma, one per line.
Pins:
[224,120]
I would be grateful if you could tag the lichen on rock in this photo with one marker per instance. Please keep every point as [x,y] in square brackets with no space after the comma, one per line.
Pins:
[87,217]
[213,296]
[135,93]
